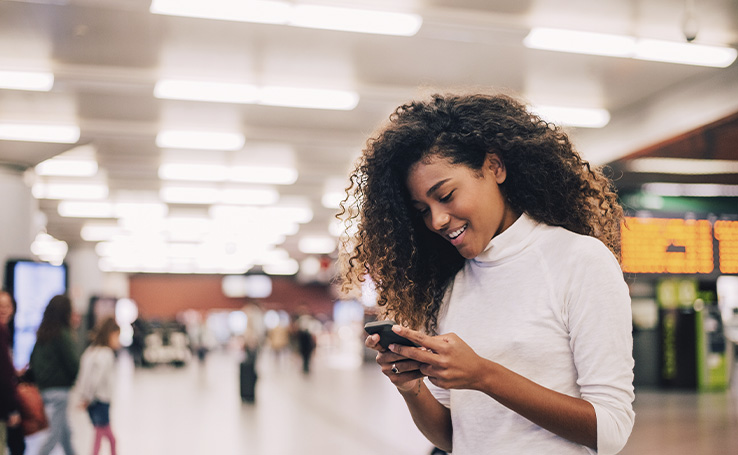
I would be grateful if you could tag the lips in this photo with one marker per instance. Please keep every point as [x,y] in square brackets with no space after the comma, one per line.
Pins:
[453,235]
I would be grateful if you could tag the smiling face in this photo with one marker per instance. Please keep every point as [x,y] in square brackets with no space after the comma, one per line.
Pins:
[462,205]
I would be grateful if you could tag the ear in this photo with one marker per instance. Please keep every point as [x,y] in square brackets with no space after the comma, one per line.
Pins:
[493,163]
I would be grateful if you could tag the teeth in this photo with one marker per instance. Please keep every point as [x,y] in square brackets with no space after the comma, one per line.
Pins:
[458,232]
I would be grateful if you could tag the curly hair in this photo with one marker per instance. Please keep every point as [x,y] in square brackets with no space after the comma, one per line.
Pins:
[410,266]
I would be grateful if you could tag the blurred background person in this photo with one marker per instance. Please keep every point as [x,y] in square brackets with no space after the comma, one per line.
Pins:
[14,433]
[54,365]
[305,340]
[97,380]
[9,416]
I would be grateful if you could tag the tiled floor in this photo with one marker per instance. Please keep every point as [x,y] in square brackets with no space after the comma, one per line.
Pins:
[196,410]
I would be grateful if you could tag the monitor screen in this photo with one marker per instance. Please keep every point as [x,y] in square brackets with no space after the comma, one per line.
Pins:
[32,285]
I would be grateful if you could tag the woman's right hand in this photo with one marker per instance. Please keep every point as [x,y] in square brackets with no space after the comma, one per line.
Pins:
[403,372]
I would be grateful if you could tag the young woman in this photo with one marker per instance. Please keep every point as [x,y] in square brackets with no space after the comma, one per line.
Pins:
[494,247]
[96,380]
[55,363]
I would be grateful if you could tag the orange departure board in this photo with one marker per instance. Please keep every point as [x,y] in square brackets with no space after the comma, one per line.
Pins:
[667,245]
[726,233]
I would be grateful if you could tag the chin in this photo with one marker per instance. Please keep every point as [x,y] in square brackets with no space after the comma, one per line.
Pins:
[468,254]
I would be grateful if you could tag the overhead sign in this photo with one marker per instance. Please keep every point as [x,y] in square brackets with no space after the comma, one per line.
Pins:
[679,246]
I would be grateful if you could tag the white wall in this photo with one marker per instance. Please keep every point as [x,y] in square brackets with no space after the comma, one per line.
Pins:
[17,209]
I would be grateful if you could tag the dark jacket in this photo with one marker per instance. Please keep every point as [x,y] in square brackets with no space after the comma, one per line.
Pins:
[8,377]
[55,363]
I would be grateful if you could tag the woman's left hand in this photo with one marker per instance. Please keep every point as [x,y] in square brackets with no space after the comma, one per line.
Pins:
[448,361]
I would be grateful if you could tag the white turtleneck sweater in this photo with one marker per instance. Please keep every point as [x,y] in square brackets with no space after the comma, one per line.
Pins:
[552,306]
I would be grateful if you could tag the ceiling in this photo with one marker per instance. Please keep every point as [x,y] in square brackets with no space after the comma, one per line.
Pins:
[107,55]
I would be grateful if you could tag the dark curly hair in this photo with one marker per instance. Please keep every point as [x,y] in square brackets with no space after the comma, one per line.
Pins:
[409,265]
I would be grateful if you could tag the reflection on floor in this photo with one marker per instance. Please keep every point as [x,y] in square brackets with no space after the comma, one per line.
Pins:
[196,410]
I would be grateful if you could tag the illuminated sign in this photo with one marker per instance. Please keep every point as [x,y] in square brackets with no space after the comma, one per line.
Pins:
[726,232]
[666,245]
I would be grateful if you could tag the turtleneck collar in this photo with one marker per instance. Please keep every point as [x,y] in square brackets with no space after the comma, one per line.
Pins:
[510,242]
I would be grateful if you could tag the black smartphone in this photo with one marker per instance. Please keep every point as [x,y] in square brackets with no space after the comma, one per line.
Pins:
[386,335]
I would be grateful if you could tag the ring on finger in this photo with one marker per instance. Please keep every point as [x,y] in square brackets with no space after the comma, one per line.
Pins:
[394,368]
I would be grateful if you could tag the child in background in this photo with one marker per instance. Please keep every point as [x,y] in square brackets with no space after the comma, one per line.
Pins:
[96,380]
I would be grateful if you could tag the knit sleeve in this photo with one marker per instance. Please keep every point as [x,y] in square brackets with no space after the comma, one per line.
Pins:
[600,326]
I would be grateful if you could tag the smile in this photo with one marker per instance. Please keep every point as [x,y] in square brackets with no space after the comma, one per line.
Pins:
[458,232]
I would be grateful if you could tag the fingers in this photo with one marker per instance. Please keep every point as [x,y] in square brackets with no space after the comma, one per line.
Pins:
[401,366]
[372,342]
[420,338]
[387,357]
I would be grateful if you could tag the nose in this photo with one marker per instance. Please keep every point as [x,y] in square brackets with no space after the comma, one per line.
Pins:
[439,219]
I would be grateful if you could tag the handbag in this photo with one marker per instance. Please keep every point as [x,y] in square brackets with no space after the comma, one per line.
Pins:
[31,408]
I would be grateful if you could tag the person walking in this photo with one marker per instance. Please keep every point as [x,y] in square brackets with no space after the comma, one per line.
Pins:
[55,364]
[96,380]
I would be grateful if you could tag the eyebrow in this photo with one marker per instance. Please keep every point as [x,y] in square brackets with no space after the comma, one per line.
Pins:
[435,187]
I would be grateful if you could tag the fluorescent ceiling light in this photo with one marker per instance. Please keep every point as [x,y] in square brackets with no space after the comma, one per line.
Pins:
[263,174]
[355,20]
[212,195]
[691,189]
[301,15]
[195,172]
[580,42]
[65,134]
[570,116]
[287,266]
[317,244]
[334,191]
[295,212]
[682,166]
[264,12]
[97,232]
[200,140]
[62,167]
[684,53]
[144,212]
[206,91]
[79,161]
[49,249]
[84,209]
[38,81]
[189,195]
[249,196]
[78,191]
[309,98]
[629,47]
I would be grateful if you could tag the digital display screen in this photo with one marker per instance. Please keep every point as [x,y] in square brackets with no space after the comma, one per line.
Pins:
[32,284]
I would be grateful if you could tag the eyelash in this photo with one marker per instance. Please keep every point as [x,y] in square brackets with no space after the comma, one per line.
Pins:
[446,198]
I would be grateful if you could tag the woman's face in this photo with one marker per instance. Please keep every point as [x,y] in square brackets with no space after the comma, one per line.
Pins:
[462,205]
[6,309]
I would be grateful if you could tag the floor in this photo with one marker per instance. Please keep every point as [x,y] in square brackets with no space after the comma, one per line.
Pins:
[196,410]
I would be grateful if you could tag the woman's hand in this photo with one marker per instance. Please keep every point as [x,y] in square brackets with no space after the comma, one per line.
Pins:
[14,419]
[447,360]
[403,372]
